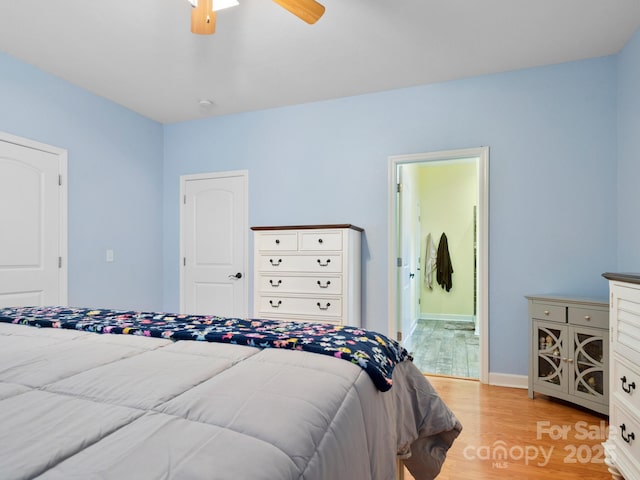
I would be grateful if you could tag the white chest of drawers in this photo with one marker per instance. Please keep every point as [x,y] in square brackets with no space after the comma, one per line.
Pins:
[622,448]
[308,273]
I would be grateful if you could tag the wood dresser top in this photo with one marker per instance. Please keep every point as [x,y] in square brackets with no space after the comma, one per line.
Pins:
[308,227]
[623,277]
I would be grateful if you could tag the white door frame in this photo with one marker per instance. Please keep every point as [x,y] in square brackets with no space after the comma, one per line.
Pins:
[245,216]
[61,153]
[482,153]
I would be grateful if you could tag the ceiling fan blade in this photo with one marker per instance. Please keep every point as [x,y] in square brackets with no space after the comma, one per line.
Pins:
[308,10]
[203,18]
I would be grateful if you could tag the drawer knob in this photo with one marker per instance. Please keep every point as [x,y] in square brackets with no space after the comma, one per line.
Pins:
[325,263]
[326,307]
[319,240]
[547,312]
[326,285]
[275,284]
[587,318]
[277,241]
[275,304]
[628,437]
[275,264]
[626,388]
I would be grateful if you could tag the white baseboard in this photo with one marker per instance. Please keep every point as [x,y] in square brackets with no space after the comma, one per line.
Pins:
[447,317]
[508,380]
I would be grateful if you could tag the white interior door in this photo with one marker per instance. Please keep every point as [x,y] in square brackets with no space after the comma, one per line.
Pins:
[214,231]
[408,257]
[33,225]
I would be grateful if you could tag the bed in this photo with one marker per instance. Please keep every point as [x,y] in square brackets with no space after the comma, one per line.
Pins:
[87,394]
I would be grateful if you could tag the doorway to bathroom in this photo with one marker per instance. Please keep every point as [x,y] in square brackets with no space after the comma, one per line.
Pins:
[439,251]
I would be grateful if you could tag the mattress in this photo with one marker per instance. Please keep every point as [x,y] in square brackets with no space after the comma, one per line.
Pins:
[77,405]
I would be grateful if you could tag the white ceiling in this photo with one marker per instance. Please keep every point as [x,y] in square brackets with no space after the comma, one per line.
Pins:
[141,53]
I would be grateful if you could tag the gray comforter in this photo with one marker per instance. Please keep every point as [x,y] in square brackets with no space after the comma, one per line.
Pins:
[76,405]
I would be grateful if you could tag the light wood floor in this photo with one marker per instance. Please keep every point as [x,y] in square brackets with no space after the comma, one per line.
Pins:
[494,417]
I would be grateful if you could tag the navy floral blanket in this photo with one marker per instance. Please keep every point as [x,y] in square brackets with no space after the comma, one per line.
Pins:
[374,352]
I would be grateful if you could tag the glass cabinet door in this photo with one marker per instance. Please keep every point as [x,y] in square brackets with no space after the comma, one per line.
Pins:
[550,359]
[589,375]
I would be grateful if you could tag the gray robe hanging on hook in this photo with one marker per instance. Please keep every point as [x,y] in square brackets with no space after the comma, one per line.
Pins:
[429,262]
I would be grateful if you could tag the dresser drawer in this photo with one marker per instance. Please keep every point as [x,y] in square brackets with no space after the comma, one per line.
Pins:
[548,311]
[276,241]
[626,384]
[304,306]
[275,284]
[301,263]
[589,317]
[320,241]
[618,459]
[624,431]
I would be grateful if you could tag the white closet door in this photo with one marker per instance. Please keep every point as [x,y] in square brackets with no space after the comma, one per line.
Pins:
[30,226]
[214,244]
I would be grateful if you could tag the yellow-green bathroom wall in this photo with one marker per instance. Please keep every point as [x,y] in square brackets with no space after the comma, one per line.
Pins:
[448,194]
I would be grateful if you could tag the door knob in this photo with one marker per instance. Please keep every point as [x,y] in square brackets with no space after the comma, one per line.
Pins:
[237,275]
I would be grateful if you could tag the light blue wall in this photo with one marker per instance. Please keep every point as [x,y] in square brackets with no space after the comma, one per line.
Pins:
[114,189]
[552,138]
[629,156]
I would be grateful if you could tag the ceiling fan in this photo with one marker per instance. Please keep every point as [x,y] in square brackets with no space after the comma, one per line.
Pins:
[203,15]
